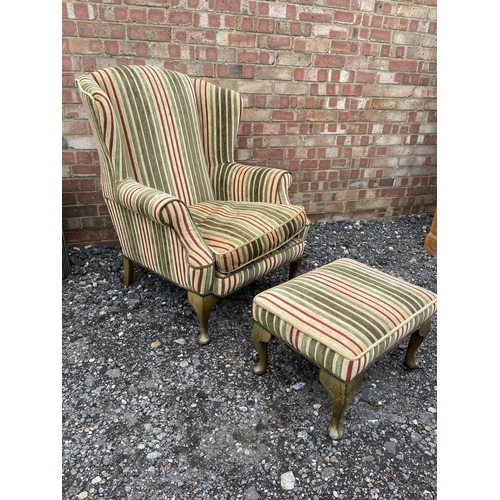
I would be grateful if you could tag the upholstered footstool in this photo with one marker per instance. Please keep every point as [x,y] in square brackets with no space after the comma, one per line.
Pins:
[342,317]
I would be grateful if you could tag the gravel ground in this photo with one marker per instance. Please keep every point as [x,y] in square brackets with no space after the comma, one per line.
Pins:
[147,413]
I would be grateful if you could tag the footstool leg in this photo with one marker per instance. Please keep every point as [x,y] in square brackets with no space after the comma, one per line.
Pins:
[260,338]
[341,394]
[416,339]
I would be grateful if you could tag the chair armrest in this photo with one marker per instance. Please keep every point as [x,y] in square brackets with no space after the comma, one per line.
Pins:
[236,182]
[167,210]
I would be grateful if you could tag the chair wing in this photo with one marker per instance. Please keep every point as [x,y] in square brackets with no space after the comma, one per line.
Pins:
[180,204]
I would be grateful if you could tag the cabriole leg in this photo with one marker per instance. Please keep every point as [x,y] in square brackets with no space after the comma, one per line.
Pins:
[294,267]
[128,271]
[260,338]
[416,339]
[203,305]
[341,394]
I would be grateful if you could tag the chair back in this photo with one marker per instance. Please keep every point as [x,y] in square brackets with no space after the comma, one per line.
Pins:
[156,115]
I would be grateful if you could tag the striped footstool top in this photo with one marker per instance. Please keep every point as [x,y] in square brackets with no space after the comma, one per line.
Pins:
[343,316]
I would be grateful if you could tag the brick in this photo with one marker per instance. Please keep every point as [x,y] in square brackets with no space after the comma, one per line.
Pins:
[241,40]
[380,35]
[311,75]
[101,30]
[315,16]
[268,73]
[364,77]
[69,28]
[321,115]
[233,6]
[407,39]
[329,61]
[315,45]
[71,63]
[425,53]
[373,21]
[146,3]
[344,47]
[293,88]
[293,59]
[280,115]
[397,91]
[383,104]
[179,18]
[74,127]
[96,222]
[275,42]
[407,66]
[88,198]
[341,4]
[86,171]
[76,10]
[346,17]
[370,49]
[353,90]
[148,33]
[82,46]
[396,23]
[256,115]
[157,16]
[412,11]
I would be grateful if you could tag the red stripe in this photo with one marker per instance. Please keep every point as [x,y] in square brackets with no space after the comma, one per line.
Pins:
[110,88]
[171,139]
[195,249]
[349,371]
[292,307]
[358,298]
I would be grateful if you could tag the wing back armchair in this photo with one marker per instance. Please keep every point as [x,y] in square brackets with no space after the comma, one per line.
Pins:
[180,204]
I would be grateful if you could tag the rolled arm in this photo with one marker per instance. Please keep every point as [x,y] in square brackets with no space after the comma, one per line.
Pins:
[168,210]
[236,182]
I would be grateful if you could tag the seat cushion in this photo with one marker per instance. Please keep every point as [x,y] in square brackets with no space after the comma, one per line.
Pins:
[343,316]
[241,232]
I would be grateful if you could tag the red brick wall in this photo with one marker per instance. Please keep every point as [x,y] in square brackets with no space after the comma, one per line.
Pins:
[340,92]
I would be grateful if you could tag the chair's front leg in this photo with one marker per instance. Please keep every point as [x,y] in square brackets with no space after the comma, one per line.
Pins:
[416,339]
[203,305]
[260,338]
[294,267]
[341,394]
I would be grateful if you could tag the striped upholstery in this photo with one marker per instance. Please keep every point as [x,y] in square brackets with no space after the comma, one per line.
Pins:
[220,113]
[156,115]
[225,284]
[343,316]
[239,232]
[180,204]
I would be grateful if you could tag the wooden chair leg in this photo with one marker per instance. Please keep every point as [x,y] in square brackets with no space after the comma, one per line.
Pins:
[203,305]
[128,271]
[416,339]
[294,267]
[260,338]
[341,393]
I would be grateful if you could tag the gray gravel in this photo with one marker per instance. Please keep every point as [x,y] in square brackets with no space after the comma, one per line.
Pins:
[147,413]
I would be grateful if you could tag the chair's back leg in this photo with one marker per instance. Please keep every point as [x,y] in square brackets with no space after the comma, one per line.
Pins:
[128,271]
[294,267]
